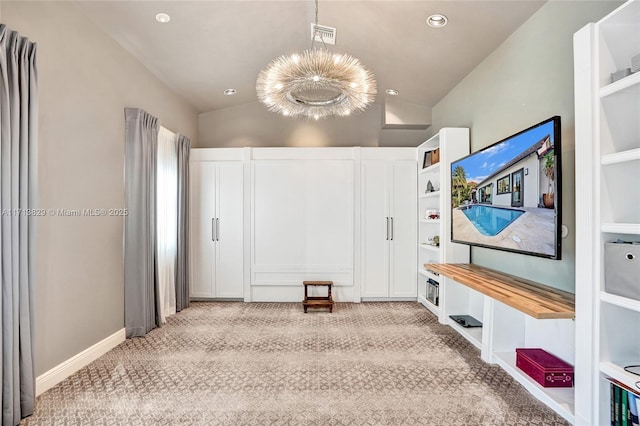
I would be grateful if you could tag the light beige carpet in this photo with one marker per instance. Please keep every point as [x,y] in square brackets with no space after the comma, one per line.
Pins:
[270,364]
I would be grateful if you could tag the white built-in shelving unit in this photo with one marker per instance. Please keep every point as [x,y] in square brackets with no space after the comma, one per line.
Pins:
[607,205]
[452,143]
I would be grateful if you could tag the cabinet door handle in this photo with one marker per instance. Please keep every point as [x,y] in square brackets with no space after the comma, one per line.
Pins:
[391,229]
[217,229]
[387,229]
[213,229]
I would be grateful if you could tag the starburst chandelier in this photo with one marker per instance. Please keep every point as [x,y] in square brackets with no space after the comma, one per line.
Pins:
[316,83]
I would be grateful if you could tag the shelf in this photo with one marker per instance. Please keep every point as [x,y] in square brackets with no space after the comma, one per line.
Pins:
[430,306]
[615,371]
[431,168]
[534,299]
[621,228]
[430,194]
[428,274]
[629,82]
[429,220]
[472,334]
[560,400]
[623,302]
[621,157]
[429,247]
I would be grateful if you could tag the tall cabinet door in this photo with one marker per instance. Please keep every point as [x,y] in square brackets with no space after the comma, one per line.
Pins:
[216,229]
[203,214]
[375,229]
[229,231]
[402,246]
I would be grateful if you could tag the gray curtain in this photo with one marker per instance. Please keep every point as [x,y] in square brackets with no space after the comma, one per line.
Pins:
[18,148]
[182,271]
[140,261]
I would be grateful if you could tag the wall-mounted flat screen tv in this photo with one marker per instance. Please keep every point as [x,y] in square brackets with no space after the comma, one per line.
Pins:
[507,195]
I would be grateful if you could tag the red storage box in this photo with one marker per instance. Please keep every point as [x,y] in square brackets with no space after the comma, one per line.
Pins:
[544,368]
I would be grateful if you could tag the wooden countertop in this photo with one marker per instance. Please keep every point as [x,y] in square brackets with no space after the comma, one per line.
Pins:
[530,297]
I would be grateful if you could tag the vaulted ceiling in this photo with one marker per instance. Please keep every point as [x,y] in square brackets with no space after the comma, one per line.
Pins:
[209,46]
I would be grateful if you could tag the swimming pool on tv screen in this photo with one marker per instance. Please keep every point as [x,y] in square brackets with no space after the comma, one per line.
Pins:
[489,220]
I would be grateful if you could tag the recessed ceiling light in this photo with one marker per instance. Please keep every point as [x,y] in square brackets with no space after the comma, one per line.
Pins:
[392,92]
[437,20]
[230,92]
[163,18]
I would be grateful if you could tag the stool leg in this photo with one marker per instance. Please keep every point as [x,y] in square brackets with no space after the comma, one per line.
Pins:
[304,302]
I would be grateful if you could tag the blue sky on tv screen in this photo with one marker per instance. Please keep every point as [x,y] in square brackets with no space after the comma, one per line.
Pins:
[484,163]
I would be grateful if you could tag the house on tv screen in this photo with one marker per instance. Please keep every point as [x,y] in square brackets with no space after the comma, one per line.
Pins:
[525,181]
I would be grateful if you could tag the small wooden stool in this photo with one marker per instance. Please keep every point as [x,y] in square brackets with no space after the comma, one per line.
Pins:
[318,302]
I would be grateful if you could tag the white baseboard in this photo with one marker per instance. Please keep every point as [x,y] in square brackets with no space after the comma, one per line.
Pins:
[61,371]
[389,299]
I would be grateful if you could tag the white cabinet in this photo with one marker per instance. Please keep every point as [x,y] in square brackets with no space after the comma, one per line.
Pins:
[265,219]
[434,199]
[217,229]
[302,221]
[607,205]
[388,221]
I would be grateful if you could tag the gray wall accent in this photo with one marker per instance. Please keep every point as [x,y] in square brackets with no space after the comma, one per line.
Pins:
[253,125]
[527,79]
[86,80]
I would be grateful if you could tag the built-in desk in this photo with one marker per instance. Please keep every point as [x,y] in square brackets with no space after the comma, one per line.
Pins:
[515,313]
[534,299]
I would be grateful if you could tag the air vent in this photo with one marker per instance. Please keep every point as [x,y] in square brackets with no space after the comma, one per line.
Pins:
[322,33]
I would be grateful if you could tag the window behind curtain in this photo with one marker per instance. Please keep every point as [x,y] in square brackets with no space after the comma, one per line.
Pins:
[167,220]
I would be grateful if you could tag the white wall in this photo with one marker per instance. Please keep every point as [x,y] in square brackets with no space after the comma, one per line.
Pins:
[253,125]
[85,80]
[525,80]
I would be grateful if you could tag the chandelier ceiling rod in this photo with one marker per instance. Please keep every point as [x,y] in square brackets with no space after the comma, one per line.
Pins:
[316,31]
